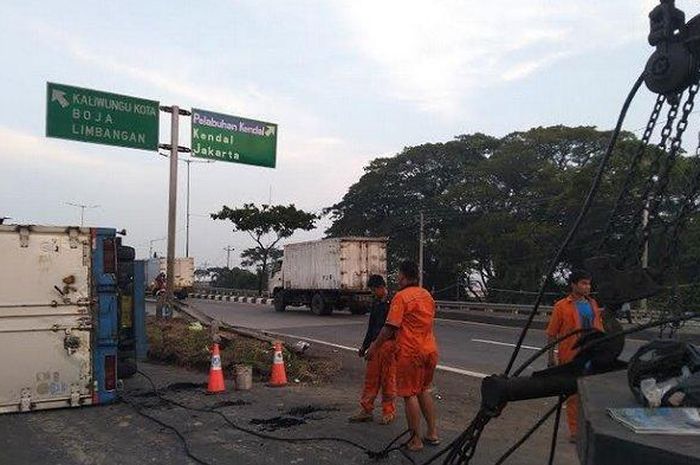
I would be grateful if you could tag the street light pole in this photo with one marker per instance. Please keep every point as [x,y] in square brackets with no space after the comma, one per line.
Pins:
[189,161]
[187,226]
[150,246]
[82,210]
[228,250]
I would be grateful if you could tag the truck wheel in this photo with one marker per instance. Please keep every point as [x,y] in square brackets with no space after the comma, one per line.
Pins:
[280,304]
[319,305]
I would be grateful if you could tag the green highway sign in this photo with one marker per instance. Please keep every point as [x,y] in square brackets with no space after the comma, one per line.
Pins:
[88,115]
[234,139]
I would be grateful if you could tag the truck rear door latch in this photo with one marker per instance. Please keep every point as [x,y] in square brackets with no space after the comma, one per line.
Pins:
[75,395]
[71,344]
[25,400]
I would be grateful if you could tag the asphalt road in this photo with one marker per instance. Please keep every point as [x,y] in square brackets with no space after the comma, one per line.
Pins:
[469,348]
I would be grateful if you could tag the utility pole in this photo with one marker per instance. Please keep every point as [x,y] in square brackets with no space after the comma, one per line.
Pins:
[174,148]
[82,210]
[172,199]
[228,250]
[420,251]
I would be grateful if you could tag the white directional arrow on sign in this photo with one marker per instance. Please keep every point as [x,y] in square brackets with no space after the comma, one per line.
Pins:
[270,131]
[60,97]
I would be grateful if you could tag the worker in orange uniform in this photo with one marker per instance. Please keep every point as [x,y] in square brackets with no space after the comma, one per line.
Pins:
[380,373]
[574,312]
[410,323]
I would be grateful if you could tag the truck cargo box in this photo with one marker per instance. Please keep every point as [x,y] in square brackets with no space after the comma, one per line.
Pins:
[58,323]
[329,274]
[341,263]
[184,271]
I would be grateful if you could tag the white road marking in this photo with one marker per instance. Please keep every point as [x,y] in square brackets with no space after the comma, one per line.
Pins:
[507,344]
[459,371]
[331,344]
[477,323]
[473,374]
[515,328]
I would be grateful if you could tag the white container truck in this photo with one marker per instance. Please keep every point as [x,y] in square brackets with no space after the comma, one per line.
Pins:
[329,274]
[184,274]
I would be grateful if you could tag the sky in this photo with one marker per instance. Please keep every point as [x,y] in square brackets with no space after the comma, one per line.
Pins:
[346,82]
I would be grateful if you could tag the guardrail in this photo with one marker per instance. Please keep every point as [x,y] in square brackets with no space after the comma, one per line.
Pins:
[230,295]
[251,296]
[247,295]
[490,307]
[229,292]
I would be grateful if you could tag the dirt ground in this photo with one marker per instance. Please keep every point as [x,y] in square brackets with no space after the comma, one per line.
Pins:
[140,428]
[174,341]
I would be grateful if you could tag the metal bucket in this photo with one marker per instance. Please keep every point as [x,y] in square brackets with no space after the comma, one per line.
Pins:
[243,376]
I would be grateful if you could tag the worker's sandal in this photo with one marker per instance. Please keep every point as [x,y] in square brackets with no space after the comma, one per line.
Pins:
[361,417]
[387,419]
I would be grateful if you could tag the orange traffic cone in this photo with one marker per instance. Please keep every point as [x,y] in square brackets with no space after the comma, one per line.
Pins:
[278,376]
[216,376]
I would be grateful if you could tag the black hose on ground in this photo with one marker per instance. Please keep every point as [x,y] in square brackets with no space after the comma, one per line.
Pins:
[370,453]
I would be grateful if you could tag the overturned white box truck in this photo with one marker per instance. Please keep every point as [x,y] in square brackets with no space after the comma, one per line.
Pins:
[71,316]
[329,274]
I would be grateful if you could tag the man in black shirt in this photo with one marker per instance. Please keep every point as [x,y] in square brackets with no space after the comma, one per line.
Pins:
[381,370]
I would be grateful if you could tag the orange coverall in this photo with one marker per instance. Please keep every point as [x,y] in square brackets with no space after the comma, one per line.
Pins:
[380,371]
[412,312]
[565,319]
[380,374]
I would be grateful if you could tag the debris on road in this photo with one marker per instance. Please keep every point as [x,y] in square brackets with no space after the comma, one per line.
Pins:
[302,346]
[196,326]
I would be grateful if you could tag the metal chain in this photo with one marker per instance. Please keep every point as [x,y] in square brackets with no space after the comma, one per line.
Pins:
[687,207]
[465,448]
[648,131]
[671,307]
[655,164]
[664,179]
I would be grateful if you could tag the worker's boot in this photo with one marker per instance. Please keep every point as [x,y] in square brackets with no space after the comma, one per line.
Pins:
[361,417]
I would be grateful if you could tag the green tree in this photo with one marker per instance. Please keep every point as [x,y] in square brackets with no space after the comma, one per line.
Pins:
[232,278]
[267,225]
[253,258]
[496,208]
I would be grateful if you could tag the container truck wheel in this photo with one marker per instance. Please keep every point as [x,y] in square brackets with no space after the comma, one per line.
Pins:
[280,304]
[319,305]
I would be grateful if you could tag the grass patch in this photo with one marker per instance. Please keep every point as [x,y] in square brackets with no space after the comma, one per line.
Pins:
[171,341]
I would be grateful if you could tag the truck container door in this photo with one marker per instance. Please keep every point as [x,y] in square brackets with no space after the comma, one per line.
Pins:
[46,323]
